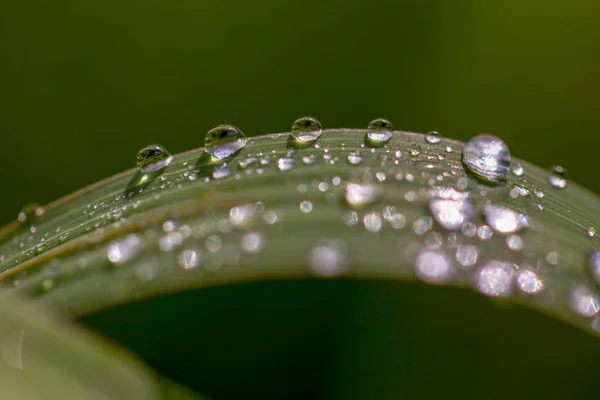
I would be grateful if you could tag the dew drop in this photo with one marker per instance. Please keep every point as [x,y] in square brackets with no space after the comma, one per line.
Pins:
[529,282]
[487,157]
[433,266]
[433,137]
[122,251]
[153,157]
[495,278]
[372,221]
[467,255]
[594,265]
[306,129]
[584,301]
[558,177]
[354,158]
[306,206]
[224,140]
[189,259]
[591,231]
[286,163]
[504,220]
[359,195]
[451,209]
[252,242]
[29,212]
[518,170]
[245,163]
[308,159]
[221,171]
[328,258]
[379,132]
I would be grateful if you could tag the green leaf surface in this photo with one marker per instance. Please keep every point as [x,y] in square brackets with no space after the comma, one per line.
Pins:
[203,222]
[43,356]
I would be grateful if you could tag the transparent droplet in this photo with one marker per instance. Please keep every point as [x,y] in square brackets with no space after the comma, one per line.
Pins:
[224,140]
[170,241]
[594,265]
[328,258]
[451,209]
[359,195]
[354,158]
[306,206]
[487,157]
[558,177]
[245,163]
[433,266]
[584,301]
[189,259]
[495,278]
[372,221]
[306,129]
[504,220]
[467,255]
[286,163]
[379,131]
[122,251]
[221,171]
[350,218]
[422,225]
[242,215]
[591,231]
[29,212]
[518,170]
[152,158]
[252,242]
[433,137]
[309,159]
[529,282]
[515,242]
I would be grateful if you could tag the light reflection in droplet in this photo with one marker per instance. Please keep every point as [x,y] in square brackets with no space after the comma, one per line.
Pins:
[433,266]
[495,278]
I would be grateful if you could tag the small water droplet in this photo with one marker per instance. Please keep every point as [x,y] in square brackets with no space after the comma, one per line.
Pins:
[451,209]
[379,132]
[415,151]
[584,301]
[433,137]
[372,221]
[221,171]
[328,258]
[354,158]
[487,157]
[306,206]
[515,242]
[529,282]
[252,242]
[504,220]
[153,157]
[306,129]
[591,231]
[286,163]
[308,159]
[122,251]
[224,140]
[245,163]
[189,259]
[558,177]
[359,195]
[467,255]
[518,170]
[495,278]
[433,266]
[29,212]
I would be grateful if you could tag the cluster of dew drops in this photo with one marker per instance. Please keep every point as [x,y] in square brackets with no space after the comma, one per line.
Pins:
[484,157]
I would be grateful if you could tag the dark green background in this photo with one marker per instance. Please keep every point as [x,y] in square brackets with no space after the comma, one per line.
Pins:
[84,84]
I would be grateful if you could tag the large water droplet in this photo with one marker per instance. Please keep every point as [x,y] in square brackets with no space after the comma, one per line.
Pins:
[451,209]
[558,177]
[152,158]
[504,220]
[433,137]
[306,129]
[224,140]
[359,195]
[29,212]
[379,131]
[487,157]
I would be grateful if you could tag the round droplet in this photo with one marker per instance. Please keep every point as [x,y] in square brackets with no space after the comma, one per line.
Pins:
[487,157]
[29,212]
[328,258]
[224,140]
[433,266]
[379,131]
[495,278]
[504,220]
[354,158]
[467,255]
[286,163]
[152,158]
[558,177]
[359,195]
[518,170]
[529,282]
[433,137]
[584,301]
[451,209]
[306,129]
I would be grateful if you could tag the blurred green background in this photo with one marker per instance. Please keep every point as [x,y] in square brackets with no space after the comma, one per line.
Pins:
[84,84]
